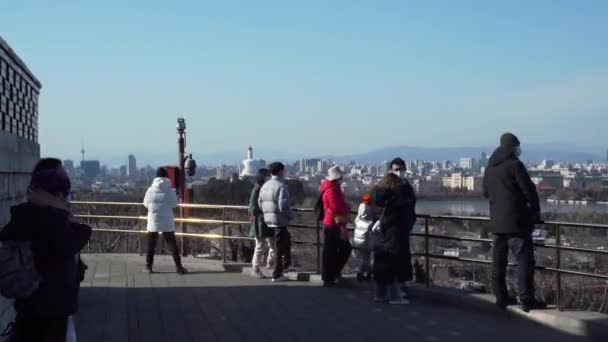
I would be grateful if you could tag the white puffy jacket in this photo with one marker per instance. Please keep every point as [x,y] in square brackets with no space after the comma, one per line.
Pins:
[160,200]
[363,224]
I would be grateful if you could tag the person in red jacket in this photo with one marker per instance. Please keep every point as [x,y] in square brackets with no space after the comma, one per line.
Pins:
[336,247]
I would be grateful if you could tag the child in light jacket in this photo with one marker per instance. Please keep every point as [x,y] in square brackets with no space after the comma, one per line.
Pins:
[363,224]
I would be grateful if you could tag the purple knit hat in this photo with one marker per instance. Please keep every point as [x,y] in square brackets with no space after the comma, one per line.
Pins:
[51,181]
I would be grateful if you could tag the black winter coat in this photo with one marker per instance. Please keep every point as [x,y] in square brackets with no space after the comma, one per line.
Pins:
[398,221]
[399,213]
[514,203]
[55,242]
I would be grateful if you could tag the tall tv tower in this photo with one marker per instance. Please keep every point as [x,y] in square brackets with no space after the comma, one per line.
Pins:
[82,150]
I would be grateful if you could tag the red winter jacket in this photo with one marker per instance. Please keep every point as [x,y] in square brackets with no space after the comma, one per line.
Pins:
[334,202]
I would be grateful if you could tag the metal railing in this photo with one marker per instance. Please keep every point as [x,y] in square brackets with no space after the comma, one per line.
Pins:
[558,247]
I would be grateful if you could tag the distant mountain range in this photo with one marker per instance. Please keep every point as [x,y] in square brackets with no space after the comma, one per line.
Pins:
[531,153]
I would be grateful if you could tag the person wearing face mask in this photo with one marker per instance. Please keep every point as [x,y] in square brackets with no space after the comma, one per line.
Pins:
[46,222]
[407,202]
[392,267]
[259,229]
[275,202]
[514,209]
[336,246]
[396,195]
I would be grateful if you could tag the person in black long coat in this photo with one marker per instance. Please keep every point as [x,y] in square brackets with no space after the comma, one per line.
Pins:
[514,209]
[45,221]
[404,203]
[390,256]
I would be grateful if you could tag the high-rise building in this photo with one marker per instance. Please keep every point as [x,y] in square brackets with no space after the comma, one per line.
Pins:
[222,172]
[483,161]
[547,164]
[131,166]
[68,165]
[91,168]
[322,166]
[302,165]
[19,90]
[467,163]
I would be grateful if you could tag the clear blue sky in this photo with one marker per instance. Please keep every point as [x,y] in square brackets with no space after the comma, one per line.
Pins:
[316,77]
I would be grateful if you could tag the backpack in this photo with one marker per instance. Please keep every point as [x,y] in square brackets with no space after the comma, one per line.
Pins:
[319,210]
[18,275]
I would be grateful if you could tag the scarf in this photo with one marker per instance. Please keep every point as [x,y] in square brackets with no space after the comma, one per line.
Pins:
[42,198]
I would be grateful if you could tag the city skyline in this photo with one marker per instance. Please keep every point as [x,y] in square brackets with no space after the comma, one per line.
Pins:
[562,152]
[385,74]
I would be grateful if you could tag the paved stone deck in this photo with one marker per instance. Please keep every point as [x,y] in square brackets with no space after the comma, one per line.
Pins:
[120,304]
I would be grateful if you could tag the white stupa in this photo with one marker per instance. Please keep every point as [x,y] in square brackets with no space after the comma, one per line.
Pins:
[250,166]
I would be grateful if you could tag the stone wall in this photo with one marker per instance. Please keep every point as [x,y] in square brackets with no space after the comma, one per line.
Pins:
[17,158]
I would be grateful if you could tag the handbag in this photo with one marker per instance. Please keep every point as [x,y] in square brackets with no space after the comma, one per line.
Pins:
[341,219]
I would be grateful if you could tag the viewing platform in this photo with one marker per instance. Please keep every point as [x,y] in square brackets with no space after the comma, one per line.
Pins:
[119,303]
[219,301]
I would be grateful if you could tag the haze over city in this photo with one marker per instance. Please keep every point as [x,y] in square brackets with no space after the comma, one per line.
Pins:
[312,79]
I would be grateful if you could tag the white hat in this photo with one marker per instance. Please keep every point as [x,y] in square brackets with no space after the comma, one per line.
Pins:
[334,172]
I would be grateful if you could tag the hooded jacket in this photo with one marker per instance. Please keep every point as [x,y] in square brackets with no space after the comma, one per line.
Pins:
[55,240]
[514,202]
[334,202]
[160,200]
[363,225]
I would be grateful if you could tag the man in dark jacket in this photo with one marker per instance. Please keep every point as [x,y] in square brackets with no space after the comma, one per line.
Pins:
[45,221]
[514,209]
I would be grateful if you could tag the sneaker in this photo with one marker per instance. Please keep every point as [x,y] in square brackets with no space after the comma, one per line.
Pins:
[148,270]
[181,270]
[502,303]
[533,304]
[399,302]
[280,279]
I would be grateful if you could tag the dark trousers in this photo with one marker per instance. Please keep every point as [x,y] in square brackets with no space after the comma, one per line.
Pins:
[405,271]
[40,329]
[282,251]
[171,244]
[523,249]
[336,252]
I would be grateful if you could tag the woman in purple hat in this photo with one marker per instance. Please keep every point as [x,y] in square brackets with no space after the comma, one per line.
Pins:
[56,241]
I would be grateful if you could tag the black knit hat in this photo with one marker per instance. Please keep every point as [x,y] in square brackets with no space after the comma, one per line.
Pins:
[509,140]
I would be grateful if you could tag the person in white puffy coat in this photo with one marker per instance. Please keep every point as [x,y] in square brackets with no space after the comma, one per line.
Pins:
[161,200]
[363,223]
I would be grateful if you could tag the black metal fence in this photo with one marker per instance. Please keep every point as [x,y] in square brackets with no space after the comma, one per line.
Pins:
[425,234]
